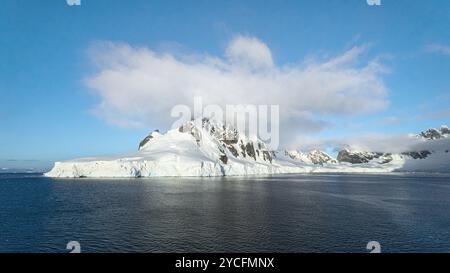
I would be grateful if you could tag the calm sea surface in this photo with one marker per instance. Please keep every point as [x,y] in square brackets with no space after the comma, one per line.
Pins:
[290,213]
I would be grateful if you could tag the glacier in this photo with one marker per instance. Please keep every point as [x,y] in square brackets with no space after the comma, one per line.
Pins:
[207,148]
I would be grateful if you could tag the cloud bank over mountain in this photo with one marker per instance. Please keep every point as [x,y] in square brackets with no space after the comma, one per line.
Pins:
[138,86]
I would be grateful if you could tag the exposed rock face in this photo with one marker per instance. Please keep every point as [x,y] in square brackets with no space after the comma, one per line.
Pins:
[224,159]
[268,156]
[250,150]
[232,150]
[319,157]
[152,135]
[190,127]
[352,157]
[445,130]
[316,157]
[294,154]
[418,155]
[229,141]
[363,157]
[432,133]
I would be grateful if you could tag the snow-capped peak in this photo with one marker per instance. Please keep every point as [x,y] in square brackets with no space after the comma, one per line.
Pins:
[319,157]
[431,134]
[151,136]
[219,141]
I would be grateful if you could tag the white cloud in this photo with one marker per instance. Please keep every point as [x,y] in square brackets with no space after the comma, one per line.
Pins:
[385,143]
[438,48]
[138,86]
[249,52]
[396,143]
[389,143]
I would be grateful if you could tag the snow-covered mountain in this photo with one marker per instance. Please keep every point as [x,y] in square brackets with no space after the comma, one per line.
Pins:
[431,134]
[206,148]
[316,157]
[429,154]
[197,148]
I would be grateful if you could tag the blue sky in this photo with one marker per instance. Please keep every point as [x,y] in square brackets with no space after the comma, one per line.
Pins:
[47,109]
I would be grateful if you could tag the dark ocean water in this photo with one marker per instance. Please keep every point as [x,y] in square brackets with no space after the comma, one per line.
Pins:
[290,213]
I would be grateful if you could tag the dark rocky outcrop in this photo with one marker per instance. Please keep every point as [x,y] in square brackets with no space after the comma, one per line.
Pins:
[232,149]
[190,128]
[354,158]
[267,156]
[148,138]
[418,155]
[445,130]
[363,157]
[250,150]
[243,149]
[431,134]
[224,159]
[318,157]
[228,139]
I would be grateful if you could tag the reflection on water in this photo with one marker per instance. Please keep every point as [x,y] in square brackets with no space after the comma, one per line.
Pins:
[289,213]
